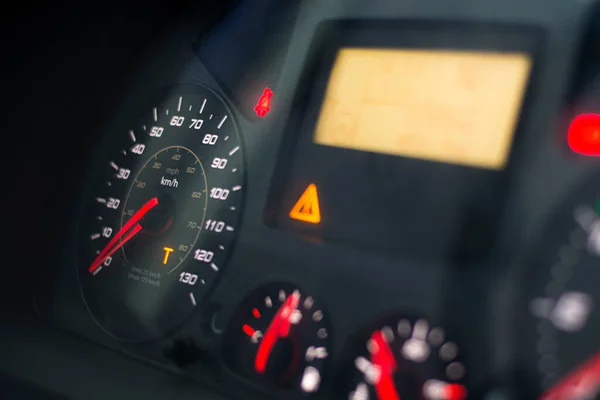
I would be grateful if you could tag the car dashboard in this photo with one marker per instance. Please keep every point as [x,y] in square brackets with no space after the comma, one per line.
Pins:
[304,199]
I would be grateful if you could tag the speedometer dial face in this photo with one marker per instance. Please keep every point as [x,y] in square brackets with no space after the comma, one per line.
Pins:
[564,296]
[162,215]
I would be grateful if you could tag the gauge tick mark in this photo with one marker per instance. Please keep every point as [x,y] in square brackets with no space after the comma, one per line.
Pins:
[308,302]
[317,316]
[248,330]
[222,122]
[132,136]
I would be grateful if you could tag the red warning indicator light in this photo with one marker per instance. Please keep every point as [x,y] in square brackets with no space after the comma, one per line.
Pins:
[264,103]
[584,134]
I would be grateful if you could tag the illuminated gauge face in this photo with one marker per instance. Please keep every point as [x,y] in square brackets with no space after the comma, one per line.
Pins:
[563,296]
[162,215]
[279,338]
[174,191]
[406,358]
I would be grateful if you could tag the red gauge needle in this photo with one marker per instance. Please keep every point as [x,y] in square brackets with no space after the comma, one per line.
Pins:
[383,358]
[129,230]
[579,384]
[278,328]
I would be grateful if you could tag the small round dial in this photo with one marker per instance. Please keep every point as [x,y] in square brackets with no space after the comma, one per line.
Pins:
[406,358]
[279,337]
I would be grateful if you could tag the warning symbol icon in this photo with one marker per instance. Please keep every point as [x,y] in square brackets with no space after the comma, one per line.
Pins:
[307,206]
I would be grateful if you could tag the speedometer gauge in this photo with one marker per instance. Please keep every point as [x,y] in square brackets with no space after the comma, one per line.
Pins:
[162,214]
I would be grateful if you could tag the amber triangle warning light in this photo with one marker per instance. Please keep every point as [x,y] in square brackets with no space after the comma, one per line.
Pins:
[307,206]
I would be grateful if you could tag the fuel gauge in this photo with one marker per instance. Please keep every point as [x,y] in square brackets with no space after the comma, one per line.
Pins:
[279,337]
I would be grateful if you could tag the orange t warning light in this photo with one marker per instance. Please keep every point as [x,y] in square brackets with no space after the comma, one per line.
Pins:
[168,251]
[264,103]
[307,206]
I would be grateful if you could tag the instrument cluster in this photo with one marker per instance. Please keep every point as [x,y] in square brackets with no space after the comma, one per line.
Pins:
[381,206]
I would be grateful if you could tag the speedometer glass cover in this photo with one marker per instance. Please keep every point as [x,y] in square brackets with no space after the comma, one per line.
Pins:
[161,215]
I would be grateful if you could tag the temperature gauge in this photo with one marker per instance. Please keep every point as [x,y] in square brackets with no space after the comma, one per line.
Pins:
[407,358]
[279,337]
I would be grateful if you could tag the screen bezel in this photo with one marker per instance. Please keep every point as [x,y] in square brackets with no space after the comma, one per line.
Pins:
[331,36]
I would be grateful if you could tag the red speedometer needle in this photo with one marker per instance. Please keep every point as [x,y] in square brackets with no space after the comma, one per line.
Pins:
[278,328]
[582,383]
[383,358]
[129,230]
